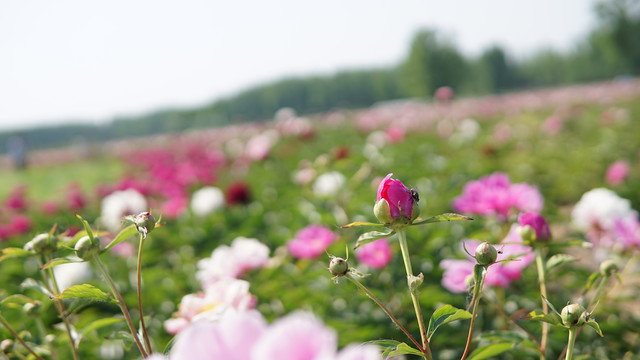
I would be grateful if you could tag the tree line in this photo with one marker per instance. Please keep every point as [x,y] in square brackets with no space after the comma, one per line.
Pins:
[610,50]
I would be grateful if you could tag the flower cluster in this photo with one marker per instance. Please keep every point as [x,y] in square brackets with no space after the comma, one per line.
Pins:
[495,195]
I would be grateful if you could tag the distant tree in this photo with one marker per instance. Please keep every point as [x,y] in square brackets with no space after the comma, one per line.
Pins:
[622,18]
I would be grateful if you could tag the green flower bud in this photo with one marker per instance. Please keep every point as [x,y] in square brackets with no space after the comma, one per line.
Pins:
[32,309]
[42,244]
[85,249]
[486,254]
[382,211]
[338,266]
[6,345]
[572,315]
[527,233]
[608,267]
[145,222]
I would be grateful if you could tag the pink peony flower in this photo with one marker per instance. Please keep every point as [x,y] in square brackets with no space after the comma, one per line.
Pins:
[627,231]
[494,195]
[232,261]
[311,241]
[376,254]
[400,199]
[20,224]
[395,134]
[76,200]
[238,193]
[537,223]
[458,273]
[17,199]
[444,94]
[617,173]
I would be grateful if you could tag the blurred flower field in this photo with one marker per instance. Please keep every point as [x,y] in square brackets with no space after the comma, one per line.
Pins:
[252,213]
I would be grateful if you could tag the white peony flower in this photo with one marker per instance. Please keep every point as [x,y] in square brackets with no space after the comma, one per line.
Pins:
[71,274]
[119,204]
[231,261]
[329,183]
[600,207]
[207,200]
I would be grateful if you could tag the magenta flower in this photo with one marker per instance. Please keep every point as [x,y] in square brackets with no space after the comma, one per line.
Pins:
[395,202]
[458,273]
[626,231]
[537,223]
[494,195]
[311,241]
[376,254]
[617,173]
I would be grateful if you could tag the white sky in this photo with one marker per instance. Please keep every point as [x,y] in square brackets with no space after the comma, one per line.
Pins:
[93,60]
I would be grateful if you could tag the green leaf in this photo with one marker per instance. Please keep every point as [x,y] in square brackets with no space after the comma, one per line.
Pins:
[372,236]
[361,223]
[84,291]
[98,324]
[558,260]
[17,299]
[14,252]
[551,318]
[396,348]
[442,218]
[478,276]
[553,308]
[489,351]
[593,324]
[87,228]
[122,235]
[60,261]
[445,314]
[591,280]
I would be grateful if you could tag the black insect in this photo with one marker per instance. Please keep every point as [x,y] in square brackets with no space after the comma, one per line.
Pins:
[414,194]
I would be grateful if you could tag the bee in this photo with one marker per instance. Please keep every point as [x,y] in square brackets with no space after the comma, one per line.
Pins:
[414,194]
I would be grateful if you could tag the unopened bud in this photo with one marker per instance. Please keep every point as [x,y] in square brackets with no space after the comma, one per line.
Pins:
[608,267]
[41,244]
[85,249]
[486,254]
[528,234]
[572,315]
[32,309]
[6,345]
[382,211]
[338,266]
[145,222]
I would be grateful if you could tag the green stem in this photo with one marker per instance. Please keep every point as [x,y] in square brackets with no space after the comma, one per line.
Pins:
[474,313]
[573,332]
[122,304]
[43,334]
[543,293]
[384,308]
[595,301]
[139,275]
[402,237]
[6,324]
[52,284]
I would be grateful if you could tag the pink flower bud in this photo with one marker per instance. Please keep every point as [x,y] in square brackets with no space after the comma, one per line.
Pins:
[537,223]
[401,202]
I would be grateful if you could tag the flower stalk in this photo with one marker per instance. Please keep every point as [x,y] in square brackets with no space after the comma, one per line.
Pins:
[543,293]
[139,289]
[573,333]
[477,292]
[6,324]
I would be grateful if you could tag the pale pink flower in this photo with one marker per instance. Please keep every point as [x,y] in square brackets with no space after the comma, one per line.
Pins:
[444,94]
[232,261]
[617,173]
[494,195]
[311,241]
[231,338]
[298,336]
[395,134]
[627,231]
[259,146]
[552,125]
[376,254]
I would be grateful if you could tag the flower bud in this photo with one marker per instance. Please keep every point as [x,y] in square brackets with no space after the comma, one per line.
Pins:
[538,227]
[6,345]
[382,212]
[338,266]
[572,315]
[85,249]
[41,244]
[486,254]
[527,234]
[400,206]
[32,309]
[145,222]
[608,267]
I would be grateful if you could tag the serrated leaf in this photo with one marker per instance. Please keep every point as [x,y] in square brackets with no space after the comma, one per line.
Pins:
[372,236]
[396,348]
[558,260]
[361,223]
[60,261]
[122,235]
[13,252]
[551,318]
[98,324]
[442,218]
[445,314]
[84,291]
[490,350]
[593,324]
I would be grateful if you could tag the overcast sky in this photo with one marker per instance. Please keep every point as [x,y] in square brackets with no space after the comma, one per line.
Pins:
[93,60]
